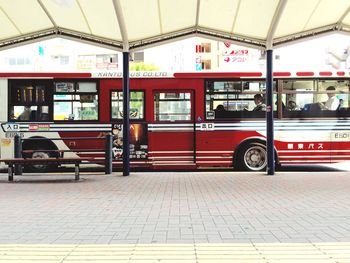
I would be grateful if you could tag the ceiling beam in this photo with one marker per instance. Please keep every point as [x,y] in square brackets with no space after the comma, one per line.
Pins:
[90,39]
[303,36]
[160,17]
[84,16]
[62,33]
[43,7]
[122,26]
[11,21]
[274,23]
[312,13]
[196,31]
[26,39]
[235,17]
[135,45]
[341,19]
[197,12]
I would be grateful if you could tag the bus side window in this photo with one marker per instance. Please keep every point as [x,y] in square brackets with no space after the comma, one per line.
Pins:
[75,100]
[172,106]
[237,99]
[137,105]
[312,98]
[28,100]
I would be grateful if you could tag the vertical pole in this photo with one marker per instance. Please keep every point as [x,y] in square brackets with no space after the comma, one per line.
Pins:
[76,171]
[109,155]
[18,153]
[126,115]
[10,172]
[269,114]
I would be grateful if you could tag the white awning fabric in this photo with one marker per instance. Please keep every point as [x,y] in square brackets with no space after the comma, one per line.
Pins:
[141,23]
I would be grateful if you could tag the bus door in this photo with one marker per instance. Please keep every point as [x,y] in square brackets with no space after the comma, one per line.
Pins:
[171,134]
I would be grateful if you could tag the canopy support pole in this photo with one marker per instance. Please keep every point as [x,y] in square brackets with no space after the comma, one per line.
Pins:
[126,88]
[126,115]
[269,114]
[270,147]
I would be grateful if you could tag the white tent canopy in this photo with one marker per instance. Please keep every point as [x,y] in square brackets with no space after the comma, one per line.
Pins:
[134,24]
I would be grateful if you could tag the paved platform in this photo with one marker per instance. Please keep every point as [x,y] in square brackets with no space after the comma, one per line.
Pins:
[203,213]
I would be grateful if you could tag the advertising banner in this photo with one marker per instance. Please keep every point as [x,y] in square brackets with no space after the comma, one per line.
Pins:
[138,141]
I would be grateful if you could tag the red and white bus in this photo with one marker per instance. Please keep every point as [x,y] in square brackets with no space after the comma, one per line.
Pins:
[175,118]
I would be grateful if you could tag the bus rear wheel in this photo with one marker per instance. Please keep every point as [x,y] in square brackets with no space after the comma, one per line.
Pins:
[252,157]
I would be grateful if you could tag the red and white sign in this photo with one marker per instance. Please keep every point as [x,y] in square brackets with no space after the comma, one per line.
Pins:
[39,127]
[235,55]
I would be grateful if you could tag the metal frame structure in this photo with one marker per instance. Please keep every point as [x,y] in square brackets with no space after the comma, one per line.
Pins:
[197,29]
[342,24]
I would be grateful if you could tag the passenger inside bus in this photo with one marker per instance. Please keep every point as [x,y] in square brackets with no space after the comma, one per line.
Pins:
[259,102]
[341,104]
[220,108]
[220,111]
[332,103]
[25,115]
[292,106]
[283,107]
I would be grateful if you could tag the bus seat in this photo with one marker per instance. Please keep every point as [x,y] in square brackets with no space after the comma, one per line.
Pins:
[312,107]
[32,116]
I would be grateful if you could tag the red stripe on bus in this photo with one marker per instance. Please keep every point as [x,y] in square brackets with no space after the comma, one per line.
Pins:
[282,74]
[44,75]
[305,74]
[325,73]
[341,73]
[218,75]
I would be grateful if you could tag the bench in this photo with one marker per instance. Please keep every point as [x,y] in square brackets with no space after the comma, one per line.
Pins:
[61,152]
[30,161]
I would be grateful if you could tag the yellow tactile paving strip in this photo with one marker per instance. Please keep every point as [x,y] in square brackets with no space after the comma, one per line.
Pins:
[185,253]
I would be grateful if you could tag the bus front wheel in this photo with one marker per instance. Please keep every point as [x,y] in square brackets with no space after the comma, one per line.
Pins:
[40,167]
[252,157]
[39,148]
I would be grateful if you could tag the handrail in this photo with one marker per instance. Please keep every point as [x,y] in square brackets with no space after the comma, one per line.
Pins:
[75,150]
[66,138]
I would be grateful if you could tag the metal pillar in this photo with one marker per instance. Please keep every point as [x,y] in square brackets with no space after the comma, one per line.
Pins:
[269,114]
[126,115]
[18,153]
[109,154]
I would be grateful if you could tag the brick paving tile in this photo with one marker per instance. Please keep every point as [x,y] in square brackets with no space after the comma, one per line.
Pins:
[172,208]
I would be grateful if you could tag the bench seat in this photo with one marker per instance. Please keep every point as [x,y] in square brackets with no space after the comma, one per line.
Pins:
[11,162]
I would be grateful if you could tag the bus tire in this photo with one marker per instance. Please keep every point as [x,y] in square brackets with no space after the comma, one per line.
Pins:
[252,157]
[41,150]
[41,167]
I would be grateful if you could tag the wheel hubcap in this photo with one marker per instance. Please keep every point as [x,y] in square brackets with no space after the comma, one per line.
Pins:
[41,155]
[255,158]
